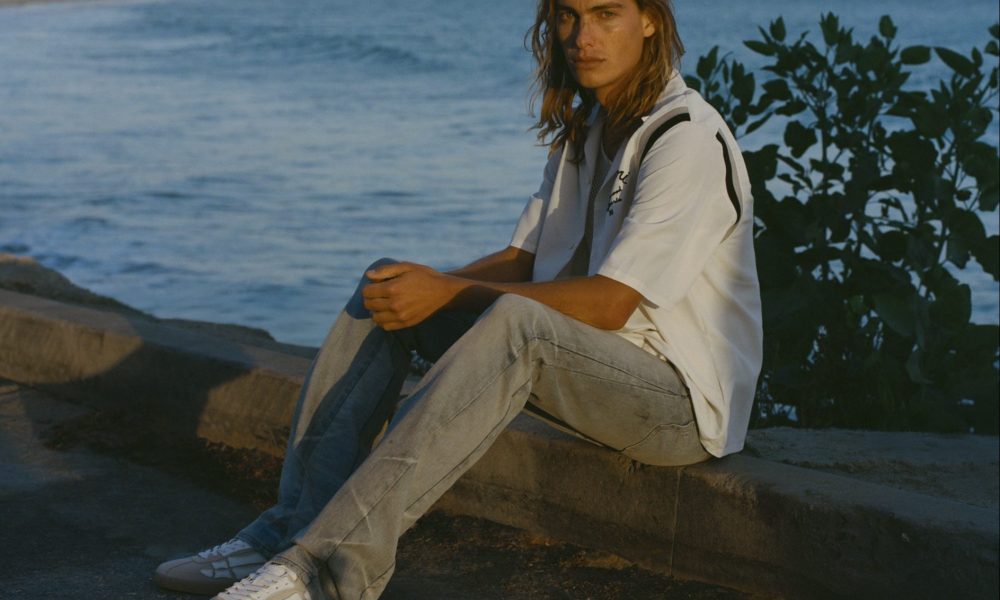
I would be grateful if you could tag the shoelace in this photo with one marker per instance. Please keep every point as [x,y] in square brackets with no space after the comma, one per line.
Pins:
[266,577]
[231,546]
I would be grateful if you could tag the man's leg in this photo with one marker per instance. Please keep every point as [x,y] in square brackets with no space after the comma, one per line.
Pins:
[352,387]
[350,391]
[594,381]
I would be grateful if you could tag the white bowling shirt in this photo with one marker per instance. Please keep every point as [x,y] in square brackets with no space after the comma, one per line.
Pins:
[677,228]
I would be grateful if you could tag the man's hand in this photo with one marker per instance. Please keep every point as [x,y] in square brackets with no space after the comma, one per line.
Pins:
[405,294]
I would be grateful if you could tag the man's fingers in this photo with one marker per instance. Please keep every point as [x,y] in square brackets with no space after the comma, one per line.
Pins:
[387,271]
[388,321]
[375,290]
[377,305]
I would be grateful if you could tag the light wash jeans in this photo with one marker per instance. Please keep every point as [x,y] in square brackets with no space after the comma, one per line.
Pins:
[342,506]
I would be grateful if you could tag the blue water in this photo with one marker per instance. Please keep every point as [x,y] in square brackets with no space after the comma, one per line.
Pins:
[243,160]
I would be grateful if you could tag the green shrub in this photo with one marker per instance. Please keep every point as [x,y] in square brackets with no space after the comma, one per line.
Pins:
[877,190]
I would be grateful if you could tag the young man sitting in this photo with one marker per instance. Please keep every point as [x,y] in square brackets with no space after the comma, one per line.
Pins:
[625,311]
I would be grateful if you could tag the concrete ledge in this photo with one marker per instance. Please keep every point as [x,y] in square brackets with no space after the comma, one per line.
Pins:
[751,524]
[187,382]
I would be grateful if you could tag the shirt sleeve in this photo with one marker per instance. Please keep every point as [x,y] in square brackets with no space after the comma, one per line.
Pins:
[679,216]
[529,226]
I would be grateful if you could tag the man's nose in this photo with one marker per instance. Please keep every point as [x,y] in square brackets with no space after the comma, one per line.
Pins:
[585,34]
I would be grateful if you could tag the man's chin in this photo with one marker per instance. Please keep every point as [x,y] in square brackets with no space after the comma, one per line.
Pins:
[586,78]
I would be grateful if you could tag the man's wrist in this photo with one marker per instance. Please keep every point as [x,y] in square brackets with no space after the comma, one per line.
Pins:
[466,294]
[454,285]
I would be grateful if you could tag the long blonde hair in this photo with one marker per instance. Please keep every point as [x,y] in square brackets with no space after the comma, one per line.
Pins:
[560,120]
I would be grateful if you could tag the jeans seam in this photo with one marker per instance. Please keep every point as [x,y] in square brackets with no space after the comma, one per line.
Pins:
[376,580]
[301,570]
[656,389]
[656,429]
[616,368]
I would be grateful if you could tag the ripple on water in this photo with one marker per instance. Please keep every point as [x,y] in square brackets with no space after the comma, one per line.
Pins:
[106,201]
[168,195]
[145,268]
[60,261]
[88,224]
[15,248]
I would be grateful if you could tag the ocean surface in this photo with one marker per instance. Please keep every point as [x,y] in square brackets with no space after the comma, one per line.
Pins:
[243,160]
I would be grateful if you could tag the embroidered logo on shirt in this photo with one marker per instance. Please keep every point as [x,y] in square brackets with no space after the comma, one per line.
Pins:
[616,194]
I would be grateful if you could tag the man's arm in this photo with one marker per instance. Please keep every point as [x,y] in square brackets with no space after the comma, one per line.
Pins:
[509,265]
[404,294]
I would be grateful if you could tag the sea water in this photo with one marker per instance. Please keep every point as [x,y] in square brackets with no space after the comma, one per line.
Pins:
[243,160]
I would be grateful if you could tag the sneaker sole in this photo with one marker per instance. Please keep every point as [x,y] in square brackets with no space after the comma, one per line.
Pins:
[201,588]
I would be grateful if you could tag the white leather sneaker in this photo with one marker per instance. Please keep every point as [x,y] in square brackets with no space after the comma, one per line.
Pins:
[271,582]
[210,571]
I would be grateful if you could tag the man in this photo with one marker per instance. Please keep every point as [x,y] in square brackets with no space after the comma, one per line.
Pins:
[625,311]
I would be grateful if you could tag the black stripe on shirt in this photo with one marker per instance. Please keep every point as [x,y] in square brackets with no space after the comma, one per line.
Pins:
[730,182]
[666,126]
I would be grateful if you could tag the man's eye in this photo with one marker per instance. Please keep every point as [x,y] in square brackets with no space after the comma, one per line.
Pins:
[607,14]
[564,16]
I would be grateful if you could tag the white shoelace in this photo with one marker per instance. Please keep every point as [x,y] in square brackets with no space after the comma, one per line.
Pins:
[269,576]
[233,545]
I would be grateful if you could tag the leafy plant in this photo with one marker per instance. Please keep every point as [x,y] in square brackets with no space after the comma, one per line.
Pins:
[875,199]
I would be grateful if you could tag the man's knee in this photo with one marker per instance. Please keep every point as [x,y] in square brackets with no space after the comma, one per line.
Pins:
[355,306]
[363,280]
[512,312]
[379,263]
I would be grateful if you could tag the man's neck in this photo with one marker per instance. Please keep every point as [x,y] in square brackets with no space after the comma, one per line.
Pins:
[612,138]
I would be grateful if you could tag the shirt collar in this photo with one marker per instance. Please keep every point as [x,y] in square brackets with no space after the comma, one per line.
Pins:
[675,87]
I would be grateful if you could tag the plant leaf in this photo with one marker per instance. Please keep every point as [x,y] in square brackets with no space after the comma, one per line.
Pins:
[799,138]
[958,63]
[759,47]
[915,55]
[886,27]
[778,29]
[987,254]
[896,313]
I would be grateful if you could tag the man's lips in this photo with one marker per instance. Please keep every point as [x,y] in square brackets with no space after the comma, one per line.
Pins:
[586,62]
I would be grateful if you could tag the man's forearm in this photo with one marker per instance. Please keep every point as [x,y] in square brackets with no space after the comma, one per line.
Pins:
[509,265]
[404,294]
[598,301]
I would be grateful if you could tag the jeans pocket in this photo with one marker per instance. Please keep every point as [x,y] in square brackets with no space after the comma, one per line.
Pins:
[669,446]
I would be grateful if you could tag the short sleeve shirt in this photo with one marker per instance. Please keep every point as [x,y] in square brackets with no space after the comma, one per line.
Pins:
[676,226]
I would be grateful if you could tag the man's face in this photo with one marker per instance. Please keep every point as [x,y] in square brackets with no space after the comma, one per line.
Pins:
[602,41]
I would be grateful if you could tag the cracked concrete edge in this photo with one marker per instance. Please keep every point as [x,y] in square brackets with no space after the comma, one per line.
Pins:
[747,523]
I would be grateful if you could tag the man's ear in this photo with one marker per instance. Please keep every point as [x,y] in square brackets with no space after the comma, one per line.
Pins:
[648,27]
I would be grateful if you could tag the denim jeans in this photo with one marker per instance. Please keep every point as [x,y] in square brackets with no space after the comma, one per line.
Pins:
[343,505]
